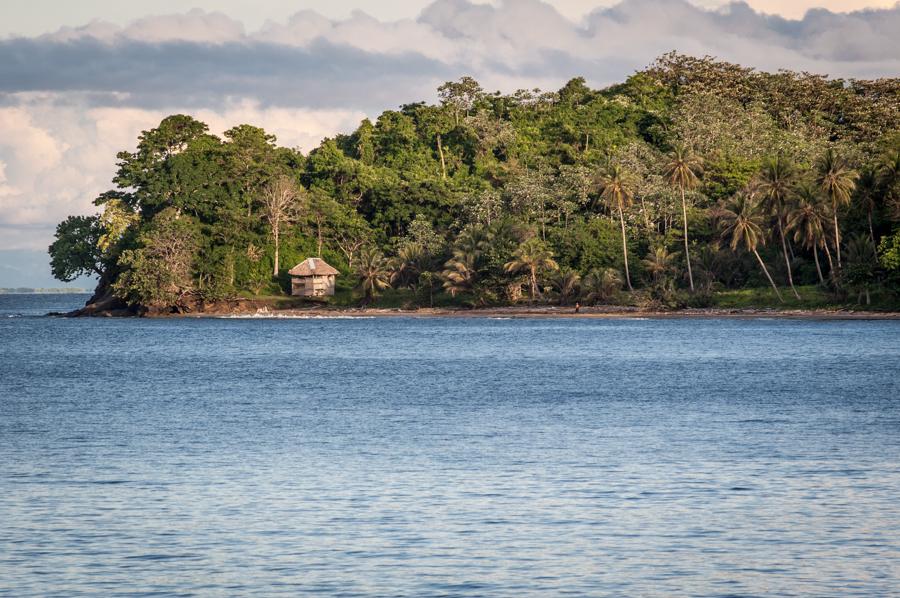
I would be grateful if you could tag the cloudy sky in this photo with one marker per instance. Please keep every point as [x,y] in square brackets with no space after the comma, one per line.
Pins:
[79,80]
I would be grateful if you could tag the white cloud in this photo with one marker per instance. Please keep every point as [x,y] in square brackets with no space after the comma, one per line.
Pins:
[57,168]
[196,26]
[360,62]
[797,8]
[5,189]
[193,26]
[29,153]
[294,127]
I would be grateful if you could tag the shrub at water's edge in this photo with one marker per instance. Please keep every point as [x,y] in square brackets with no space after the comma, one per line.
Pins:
[691,184]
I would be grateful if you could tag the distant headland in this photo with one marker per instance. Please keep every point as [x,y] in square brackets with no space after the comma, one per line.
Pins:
[694,184]
[38,291]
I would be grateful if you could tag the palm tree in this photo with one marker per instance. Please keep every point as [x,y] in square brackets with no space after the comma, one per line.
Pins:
[461,270]
[532,256]
[888,178]
[615,190]
[709,263]
[459,274]
[682,171]
[867,192]
[862,260]
[889,168]
[659,263]
[408,265]
[741,218]
[807,220]
[566,283]
[601,285]
[373,273]
[837,181]
[774,183]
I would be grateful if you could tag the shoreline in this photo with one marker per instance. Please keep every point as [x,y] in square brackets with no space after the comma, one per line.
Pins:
[549,312]
[110,307]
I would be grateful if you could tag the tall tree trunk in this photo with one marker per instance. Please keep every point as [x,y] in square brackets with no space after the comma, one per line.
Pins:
[828,255]
[275,270]
[231,266]
[319,234]
[837,238]
[646,215]
[787,262]
[872,231]
[818,267]
[440,147]
[687,250]
[766,270]
[533,283]
[625,248]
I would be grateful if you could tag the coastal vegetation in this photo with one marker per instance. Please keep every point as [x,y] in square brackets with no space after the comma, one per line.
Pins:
[693,183]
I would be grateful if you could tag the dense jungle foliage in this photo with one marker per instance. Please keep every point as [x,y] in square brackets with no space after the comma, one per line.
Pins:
[690,178]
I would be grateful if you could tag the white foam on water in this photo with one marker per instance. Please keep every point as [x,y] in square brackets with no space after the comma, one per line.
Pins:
[271,316]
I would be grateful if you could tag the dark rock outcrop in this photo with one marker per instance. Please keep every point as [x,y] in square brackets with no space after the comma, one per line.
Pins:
[106,305]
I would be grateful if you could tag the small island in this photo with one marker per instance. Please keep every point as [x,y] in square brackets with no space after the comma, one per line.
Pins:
[695,185]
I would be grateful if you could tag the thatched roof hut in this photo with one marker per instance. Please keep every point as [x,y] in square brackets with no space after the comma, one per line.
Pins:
[312,277]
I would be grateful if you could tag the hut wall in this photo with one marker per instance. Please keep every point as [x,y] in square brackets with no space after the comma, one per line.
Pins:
[312,286]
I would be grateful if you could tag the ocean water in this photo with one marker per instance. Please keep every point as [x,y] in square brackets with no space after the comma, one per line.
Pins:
[447,457]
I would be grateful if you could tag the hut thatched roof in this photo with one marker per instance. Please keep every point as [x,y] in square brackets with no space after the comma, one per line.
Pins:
[313,266]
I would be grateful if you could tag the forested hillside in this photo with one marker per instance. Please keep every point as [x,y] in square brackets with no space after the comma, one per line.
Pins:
[691,177]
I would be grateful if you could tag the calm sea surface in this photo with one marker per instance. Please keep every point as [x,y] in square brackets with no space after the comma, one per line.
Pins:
[458,457]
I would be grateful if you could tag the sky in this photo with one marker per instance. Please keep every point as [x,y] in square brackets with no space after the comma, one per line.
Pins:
[80,80]
[33,17]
